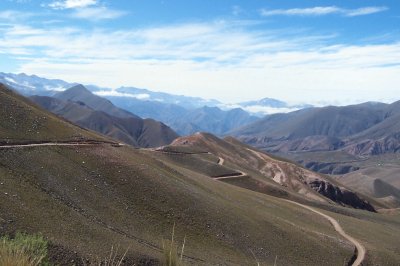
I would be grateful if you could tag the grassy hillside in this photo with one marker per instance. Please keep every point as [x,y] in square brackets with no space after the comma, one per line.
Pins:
[22,121]
[102,196]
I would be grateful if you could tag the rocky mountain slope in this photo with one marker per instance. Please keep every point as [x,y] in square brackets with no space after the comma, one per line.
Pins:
[348,133]
[315,129]
[289,175]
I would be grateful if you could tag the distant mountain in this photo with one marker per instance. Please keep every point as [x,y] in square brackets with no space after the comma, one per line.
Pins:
[211,119]
[265,102]
[166,98]
[186,115]
[326,128]
[90,111]
[34,85]
[268,106]
[79,93]
[332,140]
[186,121]
[166,113]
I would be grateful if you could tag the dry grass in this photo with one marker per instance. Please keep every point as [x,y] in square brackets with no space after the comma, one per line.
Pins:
[170,250]
[112,259]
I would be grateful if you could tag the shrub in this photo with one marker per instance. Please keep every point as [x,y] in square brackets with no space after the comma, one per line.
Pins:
[23,250]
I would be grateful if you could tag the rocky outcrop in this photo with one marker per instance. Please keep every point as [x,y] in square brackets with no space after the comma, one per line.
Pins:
[368,147]
[330,168]
[340,195]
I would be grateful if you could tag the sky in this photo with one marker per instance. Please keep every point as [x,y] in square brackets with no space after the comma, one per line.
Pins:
[303,51]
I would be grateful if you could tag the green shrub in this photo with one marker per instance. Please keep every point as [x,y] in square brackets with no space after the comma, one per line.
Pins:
[23,250]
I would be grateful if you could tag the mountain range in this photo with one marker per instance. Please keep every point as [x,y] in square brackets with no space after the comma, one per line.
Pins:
[359,144]
[90,111]
[228,202]
[185,115]
[360,130]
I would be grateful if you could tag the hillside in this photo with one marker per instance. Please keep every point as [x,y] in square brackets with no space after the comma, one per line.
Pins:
[21,121]
[271,170]
[79,93]
[348,133]
[92,112]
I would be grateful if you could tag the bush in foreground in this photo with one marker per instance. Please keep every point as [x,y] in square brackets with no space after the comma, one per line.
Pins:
[23,250]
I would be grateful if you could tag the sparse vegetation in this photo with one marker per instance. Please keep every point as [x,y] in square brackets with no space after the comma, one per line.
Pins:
[112,259]
[23,250]
[170,251]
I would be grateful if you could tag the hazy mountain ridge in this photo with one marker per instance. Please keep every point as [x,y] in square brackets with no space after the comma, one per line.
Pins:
[33,85]
[364,129]
[85,109]
[176,111]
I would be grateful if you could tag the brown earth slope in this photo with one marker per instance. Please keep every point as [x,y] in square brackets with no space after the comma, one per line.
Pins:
[289,175]
[122,126]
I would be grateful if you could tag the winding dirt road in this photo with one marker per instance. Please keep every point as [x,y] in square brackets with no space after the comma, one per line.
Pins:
[361,251]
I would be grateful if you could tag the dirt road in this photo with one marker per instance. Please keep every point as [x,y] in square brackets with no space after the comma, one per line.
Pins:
[56,144]
[361,251]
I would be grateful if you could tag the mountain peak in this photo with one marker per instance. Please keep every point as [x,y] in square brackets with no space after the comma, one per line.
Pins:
[78,89]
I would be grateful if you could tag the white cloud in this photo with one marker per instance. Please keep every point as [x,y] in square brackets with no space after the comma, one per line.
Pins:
[67,4]
[212,60]
[140,96]
[97,13]
[323,10]
[365,11]
[258,109]
[312,11]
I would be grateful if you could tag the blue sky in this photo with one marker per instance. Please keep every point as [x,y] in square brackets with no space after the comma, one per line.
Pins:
[320,52]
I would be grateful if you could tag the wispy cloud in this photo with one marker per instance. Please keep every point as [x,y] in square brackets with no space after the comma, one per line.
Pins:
[87,9]
[365,11]
[212,58]
[97,13]
[141,96]
[13,15]
[323,10]
[67,4]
